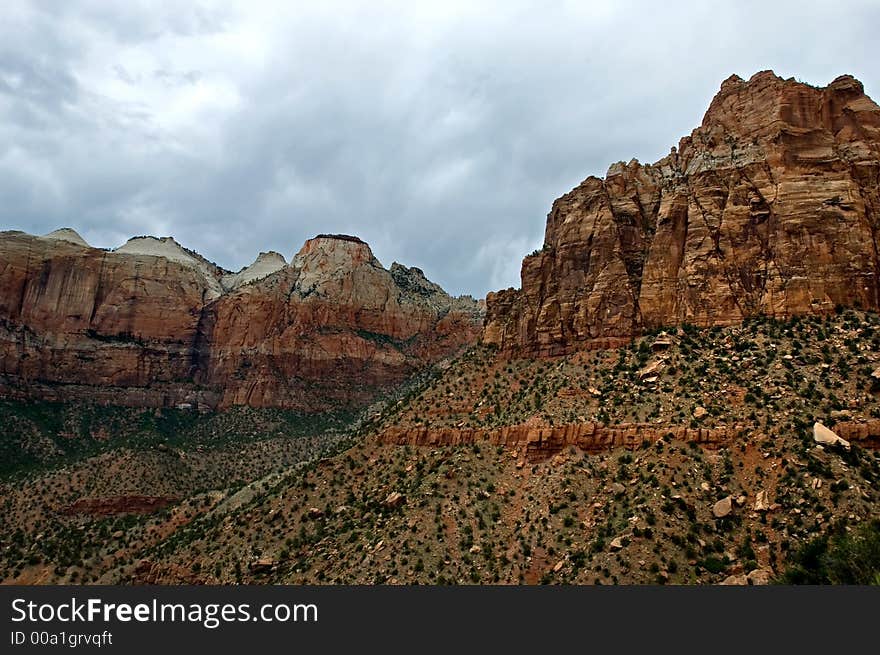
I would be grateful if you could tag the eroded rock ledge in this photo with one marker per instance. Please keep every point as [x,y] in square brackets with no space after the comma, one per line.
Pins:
[540,442]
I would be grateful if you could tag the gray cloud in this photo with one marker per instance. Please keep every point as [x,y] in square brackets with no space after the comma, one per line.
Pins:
[441,135]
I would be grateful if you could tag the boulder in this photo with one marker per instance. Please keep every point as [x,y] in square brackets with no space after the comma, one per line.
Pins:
[262,565]
[663,342]
[826,437]
[394,500]
[651,369]
[722,508]
[760,577]
[762,503]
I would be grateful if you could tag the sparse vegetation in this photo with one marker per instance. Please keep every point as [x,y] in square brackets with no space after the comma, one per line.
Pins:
[260,496]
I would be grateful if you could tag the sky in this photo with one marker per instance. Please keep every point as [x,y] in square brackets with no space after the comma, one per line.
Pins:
[438,132]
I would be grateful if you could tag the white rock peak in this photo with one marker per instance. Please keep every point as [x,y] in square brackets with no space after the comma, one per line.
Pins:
[264,265]
[168,248]
[165,247]
[67,234]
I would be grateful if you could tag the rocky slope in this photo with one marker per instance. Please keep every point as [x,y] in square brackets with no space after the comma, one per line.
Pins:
[706,387]
[155,324]
[771,207]
[695,460]
[667,513]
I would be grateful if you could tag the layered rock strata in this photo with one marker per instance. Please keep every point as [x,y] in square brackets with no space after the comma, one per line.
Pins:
[771,206]
[154,324]
[538,442]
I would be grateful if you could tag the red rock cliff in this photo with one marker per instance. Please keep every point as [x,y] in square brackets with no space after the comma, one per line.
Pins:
[334,325]
[153,324]
[771,206]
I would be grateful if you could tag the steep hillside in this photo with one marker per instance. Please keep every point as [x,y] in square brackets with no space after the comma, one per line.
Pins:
[433,496]
[425,492]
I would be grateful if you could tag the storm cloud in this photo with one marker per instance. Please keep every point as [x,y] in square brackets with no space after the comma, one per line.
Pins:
[440,133]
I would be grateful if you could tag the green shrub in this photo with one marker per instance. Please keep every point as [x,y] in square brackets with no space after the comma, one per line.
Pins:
[840,558]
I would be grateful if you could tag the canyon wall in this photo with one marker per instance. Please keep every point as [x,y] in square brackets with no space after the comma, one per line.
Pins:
[154,324]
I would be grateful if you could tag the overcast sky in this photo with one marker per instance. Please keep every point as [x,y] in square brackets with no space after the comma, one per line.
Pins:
[439,133]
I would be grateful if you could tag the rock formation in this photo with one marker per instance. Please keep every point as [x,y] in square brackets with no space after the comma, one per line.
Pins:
[538,441]
[155,324]
[109,506]
[333,325]
[168,248]
[771,207]
[67,234]
[264,265]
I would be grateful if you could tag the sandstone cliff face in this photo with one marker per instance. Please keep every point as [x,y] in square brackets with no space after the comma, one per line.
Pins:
[770,207]
[333,325]
[153,324]
[98,321]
